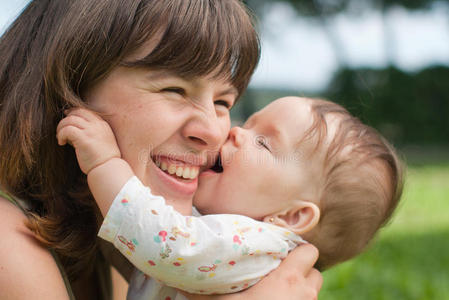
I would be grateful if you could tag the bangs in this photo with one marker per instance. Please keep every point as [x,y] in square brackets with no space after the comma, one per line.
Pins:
[198,38]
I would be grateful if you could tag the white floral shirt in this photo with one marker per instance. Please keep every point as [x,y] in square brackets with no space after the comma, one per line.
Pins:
[202,255]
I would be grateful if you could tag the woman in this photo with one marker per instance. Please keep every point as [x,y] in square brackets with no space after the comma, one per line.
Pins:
[164,74]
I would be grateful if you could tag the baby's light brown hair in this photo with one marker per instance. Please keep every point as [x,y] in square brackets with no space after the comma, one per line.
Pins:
[363,180]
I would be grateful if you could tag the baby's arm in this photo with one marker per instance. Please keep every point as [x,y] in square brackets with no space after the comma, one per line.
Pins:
[97,153]
[210,254]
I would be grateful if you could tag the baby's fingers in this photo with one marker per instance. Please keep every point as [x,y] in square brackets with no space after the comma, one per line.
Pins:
[69,129]
[83,113]
[72,120]
[68,134]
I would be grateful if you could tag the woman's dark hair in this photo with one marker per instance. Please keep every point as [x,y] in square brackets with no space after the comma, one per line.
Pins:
[55,51]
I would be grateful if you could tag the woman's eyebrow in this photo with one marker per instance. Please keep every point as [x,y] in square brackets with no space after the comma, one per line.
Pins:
[229,91]
[161,75]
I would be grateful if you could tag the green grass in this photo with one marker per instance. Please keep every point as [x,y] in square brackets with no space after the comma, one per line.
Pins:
[410,257]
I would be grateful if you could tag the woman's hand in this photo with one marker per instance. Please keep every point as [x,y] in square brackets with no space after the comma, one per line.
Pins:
[294,279]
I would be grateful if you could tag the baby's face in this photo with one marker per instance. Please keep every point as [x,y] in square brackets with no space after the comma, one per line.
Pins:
[264,167]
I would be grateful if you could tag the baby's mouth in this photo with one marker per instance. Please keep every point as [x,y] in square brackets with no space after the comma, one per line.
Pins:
[177,169]
[218,166]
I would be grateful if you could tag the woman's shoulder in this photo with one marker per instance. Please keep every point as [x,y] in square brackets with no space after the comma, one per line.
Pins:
[26,266]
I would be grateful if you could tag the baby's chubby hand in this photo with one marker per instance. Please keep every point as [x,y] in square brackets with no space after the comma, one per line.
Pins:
[90,135]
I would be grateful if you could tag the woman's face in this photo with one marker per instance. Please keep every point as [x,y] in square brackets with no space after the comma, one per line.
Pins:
[165,124]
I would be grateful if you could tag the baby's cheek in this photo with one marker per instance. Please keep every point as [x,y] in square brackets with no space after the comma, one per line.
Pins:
[207,203]
[198,198]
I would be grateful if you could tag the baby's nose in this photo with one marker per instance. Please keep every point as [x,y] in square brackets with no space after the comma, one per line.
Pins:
[236,136]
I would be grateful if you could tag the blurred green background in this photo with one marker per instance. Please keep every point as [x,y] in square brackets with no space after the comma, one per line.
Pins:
[409,259]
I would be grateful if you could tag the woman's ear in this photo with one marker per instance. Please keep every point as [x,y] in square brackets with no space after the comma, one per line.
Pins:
[300,217]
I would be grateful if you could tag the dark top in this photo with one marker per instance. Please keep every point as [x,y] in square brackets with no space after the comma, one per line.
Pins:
[102,270]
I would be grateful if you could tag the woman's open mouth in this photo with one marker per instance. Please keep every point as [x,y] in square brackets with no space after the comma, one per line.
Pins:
[177,169]
[177,176]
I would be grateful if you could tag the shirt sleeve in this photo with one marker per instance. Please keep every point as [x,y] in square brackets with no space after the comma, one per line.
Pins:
[207,254]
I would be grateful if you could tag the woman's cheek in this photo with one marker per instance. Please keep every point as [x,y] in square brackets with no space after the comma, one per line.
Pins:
[225,124]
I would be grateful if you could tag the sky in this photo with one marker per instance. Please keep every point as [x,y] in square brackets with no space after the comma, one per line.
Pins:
[297,53]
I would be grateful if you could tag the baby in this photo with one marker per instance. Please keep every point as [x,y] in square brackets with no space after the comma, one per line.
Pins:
[298,169]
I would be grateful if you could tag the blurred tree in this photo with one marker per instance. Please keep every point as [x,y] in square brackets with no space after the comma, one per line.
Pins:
[408,108]
[324,10]
[330,7]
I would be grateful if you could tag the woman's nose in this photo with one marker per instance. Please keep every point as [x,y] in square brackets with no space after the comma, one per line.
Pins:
[206,132]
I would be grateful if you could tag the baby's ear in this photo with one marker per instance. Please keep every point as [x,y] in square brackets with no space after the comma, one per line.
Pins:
[300,217]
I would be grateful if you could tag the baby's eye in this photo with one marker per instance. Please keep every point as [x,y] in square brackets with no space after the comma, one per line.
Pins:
[261,141]
[224,103]
[176,90]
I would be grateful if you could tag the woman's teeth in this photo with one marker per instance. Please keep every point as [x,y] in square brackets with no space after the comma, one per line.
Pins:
[186,172]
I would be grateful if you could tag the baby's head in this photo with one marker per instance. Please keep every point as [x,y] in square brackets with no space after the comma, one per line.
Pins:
[311,167]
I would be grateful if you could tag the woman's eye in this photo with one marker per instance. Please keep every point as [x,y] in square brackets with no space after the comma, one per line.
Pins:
[223,103]
[175,90]
[262,142]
